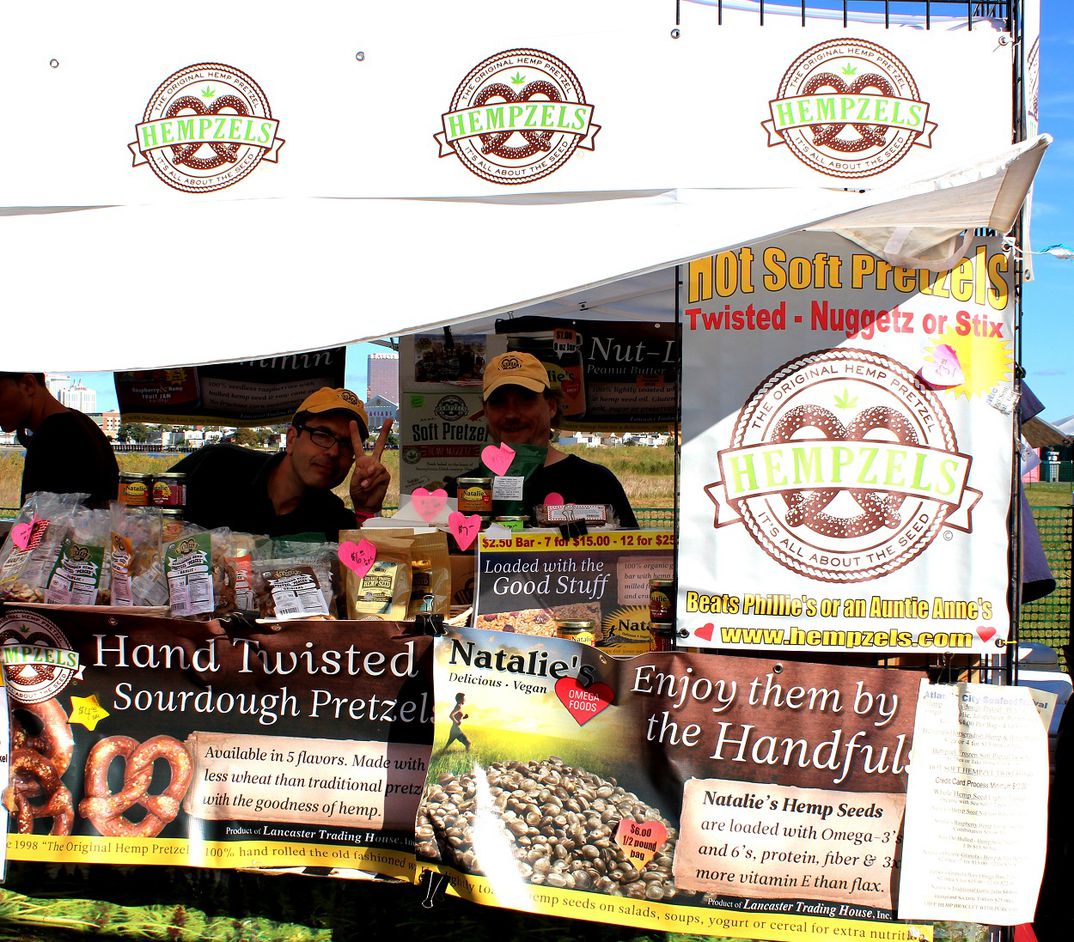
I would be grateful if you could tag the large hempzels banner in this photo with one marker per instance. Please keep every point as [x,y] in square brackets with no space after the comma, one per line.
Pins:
[847,450]
[146,740]
[691,792]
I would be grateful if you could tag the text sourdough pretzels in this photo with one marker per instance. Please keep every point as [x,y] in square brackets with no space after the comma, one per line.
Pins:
[105,809]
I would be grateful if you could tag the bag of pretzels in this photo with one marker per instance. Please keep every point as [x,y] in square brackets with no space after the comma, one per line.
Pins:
[27,557]
[77,569]
[196,567]
[383,592]
[134,571]
[298,586]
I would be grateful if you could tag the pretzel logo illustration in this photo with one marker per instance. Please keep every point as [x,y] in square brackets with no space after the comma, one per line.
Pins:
[517,117]
[835,500]
[106,810]
[37,657]
[848,108]
[206,127]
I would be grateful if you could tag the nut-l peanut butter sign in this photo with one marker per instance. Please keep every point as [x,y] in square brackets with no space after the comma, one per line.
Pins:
[516,117]
[848,108]
[205,128]
[843,501]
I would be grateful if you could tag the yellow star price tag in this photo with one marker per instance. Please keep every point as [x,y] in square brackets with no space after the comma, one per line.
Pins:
[87,711]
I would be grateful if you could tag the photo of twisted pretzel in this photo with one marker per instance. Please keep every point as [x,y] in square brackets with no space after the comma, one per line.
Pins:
[105,810]
[808,507]
[183,154]
[827,135]
[37,763]
[494,143]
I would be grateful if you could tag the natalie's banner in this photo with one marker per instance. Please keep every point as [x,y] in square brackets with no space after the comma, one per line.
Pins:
[703,794]
[251,392]
[847,450]
[146,740]
[530,580]
[580,98]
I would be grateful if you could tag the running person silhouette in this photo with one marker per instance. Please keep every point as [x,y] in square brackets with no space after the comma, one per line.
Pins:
[457,716]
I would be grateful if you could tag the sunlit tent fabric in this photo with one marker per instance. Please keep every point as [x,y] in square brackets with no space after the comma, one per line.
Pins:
[137,287]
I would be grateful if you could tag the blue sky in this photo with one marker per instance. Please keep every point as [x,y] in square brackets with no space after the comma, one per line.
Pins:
[1047,336]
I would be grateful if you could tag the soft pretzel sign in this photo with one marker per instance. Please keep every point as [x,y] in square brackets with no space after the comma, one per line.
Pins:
[846,472]
[138,739]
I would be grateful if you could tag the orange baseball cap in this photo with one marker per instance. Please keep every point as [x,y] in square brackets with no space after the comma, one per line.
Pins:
[515,369]
[327,399]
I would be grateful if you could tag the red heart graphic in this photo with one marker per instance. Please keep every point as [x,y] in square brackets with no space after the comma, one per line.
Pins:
[553,500]
[498,459]
[640,840]
[463,528]
[429,503]
[985,634]
[583,703]
[705,631]
[358,557]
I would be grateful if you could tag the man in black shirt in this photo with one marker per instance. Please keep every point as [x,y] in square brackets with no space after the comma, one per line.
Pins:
[66,452]
[521,409]
[291,493]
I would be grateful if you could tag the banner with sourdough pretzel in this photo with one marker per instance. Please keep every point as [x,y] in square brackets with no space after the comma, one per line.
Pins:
[710,795]
[848,437]
[138,739]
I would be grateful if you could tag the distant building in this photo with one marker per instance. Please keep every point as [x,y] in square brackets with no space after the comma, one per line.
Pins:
[110,422]
[383,376]
[55,383]
[380,408]
[74,395]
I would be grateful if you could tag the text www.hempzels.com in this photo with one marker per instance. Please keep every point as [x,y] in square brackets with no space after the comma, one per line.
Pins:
[840,638]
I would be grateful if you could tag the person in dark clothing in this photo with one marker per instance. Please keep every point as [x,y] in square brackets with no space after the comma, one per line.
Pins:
[291,493]
[521,409]
[66,452]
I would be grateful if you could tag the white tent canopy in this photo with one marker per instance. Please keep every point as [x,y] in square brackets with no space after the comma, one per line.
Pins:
[138,287]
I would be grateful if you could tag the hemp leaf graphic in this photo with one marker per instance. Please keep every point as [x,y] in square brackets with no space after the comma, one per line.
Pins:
[518,78]
[849,69]
[208,92]
[845,400]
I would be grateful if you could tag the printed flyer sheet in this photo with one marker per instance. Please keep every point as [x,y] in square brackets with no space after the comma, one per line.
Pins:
[976,806]
[695,793]
[146,740]
[847,450]
[528,581]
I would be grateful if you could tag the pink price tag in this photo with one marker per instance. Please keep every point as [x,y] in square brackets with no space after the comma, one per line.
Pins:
[463,528]
[429,503]
[498,458]
[358,557]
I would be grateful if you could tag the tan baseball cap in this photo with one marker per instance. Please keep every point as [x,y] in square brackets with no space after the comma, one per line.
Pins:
[515,369]
[327,399]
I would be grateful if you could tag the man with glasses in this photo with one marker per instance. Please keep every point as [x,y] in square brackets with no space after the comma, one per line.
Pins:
[291,493]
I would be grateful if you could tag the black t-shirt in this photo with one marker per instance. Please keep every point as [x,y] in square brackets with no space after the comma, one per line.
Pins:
[227,486]
[579,482]
[69,454]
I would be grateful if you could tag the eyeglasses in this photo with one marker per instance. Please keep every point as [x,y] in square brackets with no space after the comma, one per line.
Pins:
[322,438]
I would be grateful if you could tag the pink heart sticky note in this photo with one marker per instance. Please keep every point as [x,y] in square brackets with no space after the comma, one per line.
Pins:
[429,503]
[498,458]
[553,500]
[986,634]
[944,369]
[20,535]
[358,557]
[463,528]
[583,703]
[705,632]
[640,840]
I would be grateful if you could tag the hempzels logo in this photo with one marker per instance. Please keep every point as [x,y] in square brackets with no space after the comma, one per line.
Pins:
[37,657]
[517,117]
[206,127]
[848,108]
[843,467]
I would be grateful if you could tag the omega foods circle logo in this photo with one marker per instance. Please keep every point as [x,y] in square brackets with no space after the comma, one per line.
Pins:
[843,467]
[848,108]
[517,117]
[206,127]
